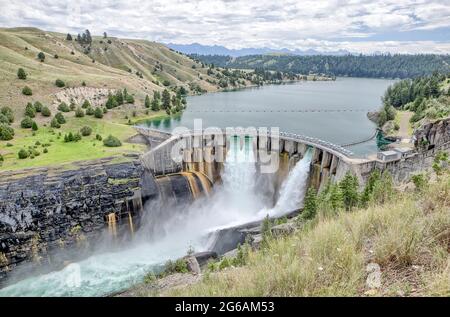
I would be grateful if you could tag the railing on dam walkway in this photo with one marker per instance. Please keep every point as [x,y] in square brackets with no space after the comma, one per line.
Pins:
[283,135]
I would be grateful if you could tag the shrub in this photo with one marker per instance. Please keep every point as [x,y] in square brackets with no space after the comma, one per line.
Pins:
[55,124]
[130,99]
[21,74]
[72,106]
[41,56]
[6,132]
[86,104]
[34,126]
[98,113]
[30,111]
[27,91]
[59,116]
[72,137]
[59,83]
[38,106]
[90,111]
[112,141]
[56,56]
[8,113]
[23,154]
[26,123]
[98,137]
[1,159]
[79,113]
[3,119]
[45,151]
[63,107]
[83,84]
[111,102]
[166,83]
[46,112]
[86,131]
[420,181]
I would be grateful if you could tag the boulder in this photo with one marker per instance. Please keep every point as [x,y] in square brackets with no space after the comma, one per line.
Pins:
[203,257]
[283,229]
[192,264]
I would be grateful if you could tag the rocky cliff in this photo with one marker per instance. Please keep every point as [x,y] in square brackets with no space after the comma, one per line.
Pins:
[433,134]
[47,210]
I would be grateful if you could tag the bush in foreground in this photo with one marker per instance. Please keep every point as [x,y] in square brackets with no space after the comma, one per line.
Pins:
[112,141]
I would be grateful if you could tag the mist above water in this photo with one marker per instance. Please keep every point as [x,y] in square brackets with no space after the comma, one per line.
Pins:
[168,230]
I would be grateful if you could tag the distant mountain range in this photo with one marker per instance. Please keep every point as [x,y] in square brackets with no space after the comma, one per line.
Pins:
[196,48]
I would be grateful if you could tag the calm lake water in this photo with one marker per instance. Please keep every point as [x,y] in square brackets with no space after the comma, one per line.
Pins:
[343,103]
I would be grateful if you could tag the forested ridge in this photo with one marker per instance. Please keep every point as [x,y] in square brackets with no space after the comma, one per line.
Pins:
[426,96]
[373,66]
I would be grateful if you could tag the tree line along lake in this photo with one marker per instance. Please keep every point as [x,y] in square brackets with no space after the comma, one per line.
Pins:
[334,111]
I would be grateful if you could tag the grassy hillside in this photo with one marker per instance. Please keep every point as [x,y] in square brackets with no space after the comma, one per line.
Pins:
[105,66]
[109,64]
[406,239]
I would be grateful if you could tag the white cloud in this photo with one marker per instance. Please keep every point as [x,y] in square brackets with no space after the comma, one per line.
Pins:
[239,23]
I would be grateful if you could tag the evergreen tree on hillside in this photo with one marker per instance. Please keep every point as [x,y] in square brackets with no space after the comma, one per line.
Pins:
[310,206]
[79,39]
[147,102]
[349,188]
[68,37]
[105,35]
[21,74]
[166,99]
[119,97]
[155,105]
[88,37]
[41,56]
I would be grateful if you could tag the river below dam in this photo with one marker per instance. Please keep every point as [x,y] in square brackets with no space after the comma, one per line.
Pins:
[334,111]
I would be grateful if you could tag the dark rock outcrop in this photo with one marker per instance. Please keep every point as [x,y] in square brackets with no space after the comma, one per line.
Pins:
[45,210]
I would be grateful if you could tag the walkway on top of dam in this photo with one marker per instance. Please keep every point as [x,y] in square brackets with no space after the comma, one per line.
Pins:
[312,141]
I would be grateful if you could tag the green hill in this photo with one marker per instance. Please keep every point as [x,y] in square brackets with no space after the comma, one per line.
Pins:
[107,65]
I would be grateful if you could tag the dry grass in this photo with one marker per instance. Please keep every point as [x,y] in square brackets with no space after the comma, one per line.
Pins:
[409,238]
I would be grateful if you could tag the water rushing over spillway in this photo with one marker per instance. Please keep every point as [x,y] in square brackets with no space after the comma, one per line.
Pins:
[234,202]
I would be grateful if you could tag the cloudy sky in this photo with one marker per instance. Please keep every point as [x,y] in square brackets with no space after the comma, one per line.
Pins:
[406,26]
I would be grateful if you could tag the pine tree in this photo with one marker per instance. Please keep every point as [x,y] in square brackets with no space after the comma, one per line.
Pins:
[21,74]
[147,102]
[68,37]
[310,207]
[41,56]
[30,111]
[349,188]
[155,105]
[88,37]
[336,198]
[166,99]
[120,97]
[105,35]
